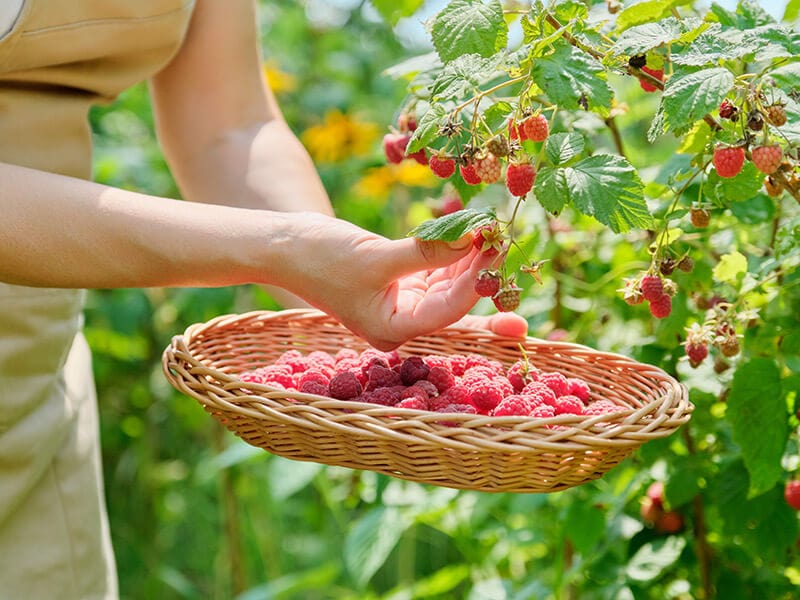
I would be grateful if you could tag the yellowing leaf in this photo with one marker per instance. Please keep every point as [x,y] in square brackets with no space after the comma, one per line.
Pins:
[729,267]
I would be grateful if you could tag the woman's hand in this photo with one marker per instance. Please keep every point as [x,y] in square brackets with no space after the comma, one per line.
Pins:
[386,291]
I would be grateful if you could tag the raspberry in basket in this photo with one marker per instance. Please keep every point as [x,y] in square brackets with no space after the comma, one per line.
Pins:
[485,395]
[413,403]
[413,369]
[379,376]
[569,405]
[578,387]
[513,406]
[601,407]
[442,378]
[384,396]
[539,390]
[345,386]
[543,411]
[555,381]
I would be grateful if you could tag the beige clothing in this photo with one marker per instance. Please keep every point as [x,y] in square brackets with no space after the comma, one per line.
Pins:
[59,58]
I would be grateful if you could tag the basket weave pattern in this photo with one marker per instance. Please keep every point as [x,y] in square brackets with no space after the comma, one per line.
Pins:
[493,454]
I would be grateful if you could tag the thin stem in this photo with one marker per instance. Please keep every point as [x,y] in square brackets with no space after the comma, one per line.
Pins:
[701,546]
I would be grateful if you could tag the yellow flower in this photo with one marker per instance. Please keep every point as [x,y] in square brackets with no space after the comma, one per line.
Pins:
[379,181]
[339,137]
[279,81]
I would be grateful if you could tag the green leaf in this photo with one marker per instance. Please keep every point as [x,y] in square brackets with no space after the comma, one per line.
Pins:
[609,189]
[496,114]
[394,10]
[569,75]
[642,12]
[792,11]
[451,227]
[689,96]
[370,541]
[469,27]
[743,186]
[653,558]
[287,477]
[427,130]
[757,209]
[730,267]
[642,38]
[462,75]
[757,414]
[551,189]
[585,525]
[786,76]
[563,147]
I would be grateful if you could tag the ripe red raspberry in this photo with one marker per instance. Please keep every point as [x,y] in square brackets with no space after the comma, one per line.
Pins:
[646,85]
[379,376]
[487,283]
[345,353]
[727,109]
[661,307]
[520,374]
[578,387]
[315,375]
[541,392]
[469,174]
[700,217]
[345,386]
[601,407]
[776,115]
[555,381]
[520,178]
[728,161]
[414,391]
[280,374]
[413,403]
[792,493]
[420,156]
[536,128]
[767,159]
[458,394]
[696,353]
[406,122]
[314,387]
[507,299]
[384,396]
[670,522]
[320,358]
[569,405]
[542,411]
[294,360]
[426,386]
[413,369]
[513,406]
[464,409]
[394,146]
[485,395]
[652,287]
[448,204]
[442,378]
[442,166]
[488,168]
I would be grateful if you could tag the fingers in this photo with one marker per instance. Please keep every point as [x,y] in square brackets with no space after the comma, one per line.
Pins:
[412,254]
[506,324]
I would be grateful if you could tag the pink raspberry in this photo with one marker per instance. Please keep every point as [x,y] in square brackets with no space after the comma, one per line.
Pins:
[345,386]
[728,161]
[320,358]
[315,375]
[414,391]
[485,395]
[384,396]
[276,373]
[458,394]
[520,374]
[413,369]
[569,405]
[469,175]
[661,307]
[536,128]
[314,387]
[542,411]
[458,364]
[539,390]
[555,381]
[601,407]
[652,287]
[347,353]
[578,387]
[442,378]
[488,168]
[293,359]
[413,402]
[437,360]
[767,159]
[379,376]
[513,406]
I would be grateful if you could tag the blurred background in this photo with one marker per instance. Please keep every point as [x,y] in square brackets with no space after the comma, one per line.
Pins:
[197,514]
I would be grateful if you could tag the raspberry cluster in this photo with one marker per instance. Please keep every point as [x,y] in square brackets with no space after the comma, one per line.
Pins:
[717,331]
[657,290]
[457,383]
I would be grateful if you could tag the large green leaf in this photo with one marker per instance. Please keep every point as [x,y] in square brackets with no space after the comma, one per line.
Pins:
[428,128]
[643,12]
[469,27]
[563,147]
[757,414]
[463,75]
[571,77]
[641,38]
[370,541]
[653,558]
[689,96]
[551,189]
[451,227]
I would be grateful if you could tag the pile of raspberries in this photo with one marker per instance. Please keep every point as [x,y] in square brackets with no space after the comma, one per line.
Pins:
[458,383]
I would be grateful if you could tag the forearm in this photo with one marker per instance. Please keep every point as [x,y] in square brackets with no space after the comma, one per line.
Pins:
[63,232]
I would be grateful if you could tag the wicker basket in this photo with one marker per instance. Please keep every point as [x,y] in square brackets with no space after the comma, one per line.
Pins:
[492,454]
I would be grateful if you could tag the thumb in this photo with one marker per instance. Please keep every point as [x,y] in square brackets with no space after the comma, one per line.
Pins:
[414,254]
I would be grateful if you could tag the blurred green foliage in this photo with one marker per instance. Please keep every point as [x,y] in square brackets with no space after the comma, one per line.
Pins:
[195,513]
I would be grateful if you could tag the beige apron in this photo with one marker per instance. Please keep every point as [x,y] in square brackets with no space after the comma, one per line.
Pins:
[60,57]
